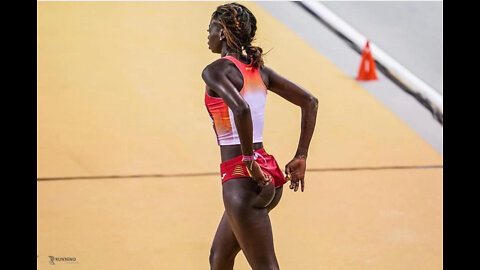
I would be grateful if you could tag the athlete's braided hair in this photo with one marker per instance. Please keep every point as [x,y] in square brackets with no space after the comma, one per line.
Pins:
[239,26]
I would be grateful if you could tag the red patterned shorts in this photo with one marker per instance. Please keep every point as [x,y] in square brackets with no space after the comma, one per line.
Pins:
[235,168]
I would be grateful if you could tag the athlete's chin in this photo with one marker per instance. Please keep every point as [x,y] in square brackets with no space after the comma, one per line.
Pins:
[213,50]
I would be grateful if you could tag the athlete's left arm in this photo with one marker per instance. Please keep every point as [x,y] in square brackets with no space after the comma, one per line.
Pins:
[309,105]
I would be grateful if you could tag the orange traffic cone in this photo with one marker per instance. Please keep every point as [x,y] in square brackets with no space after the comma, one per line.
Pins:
[367,66]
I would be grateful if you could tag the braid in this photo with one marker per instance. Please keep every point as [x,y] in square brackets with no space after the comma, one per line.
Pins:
[239,25]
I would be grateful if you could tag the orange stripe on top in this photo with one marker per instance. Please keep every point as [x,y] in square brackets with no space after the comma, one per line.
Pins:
[218,111]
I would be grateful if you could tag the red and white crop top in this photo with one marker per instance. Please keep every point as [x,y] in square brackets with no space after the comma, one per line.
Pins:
[254,92]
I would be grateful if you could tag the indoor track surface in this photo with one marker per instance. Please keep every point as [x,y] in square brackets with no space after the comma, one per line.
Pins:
[128,162]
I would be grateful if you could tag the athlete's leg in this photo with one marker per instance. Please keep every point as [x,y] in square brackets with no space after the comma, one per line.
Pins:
[250,225]
[225,246]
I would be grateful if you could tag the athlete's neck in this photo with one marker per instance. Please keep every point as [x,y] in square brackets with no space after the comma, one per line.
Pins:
[227,51]
[239,56]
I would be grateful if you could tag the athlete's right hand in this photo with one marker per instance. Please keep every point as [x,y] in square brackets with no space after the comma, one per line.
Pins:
[257,174]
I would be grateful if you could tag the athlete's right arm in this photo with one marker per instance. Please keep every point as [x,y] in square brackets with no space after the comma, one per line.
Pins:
[215,76]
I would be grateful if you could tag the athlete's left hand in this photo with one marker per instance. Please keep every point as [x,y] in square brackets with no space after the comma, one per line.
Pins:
[295,172]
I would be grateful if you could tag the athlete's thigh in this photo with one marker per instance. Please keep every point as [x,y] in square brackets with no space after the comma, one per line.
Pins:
[251,225]
[225,244]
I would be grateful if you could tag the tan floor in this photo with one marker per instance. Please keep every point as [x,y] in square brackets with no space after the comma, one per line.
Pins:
[120,93]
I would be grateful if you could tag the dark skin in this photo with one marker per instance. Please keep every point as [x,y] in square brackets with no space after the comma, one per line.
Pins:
[245,224]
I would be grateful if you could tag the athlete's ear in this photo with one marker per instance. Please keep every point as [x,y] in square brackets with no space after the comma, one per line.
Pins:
[221,34]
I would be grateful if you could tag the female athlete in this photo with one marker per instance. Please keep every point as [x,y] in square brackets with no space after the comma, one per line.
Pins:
[252,182]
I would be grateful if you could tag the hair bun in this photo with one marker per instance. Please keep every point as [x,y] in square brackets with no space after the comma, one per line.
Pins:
[255,53]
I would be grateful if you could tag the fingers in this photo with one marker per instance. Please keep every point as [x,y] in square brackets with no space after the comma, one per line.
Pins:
[265,180]
[292,182]
[288,172]
[291,177]
[294,185]
[296,182]
[258,175]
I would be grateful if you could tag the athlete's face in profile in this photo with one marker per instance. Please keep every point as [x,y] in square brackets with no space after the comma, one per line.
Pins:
[215,32]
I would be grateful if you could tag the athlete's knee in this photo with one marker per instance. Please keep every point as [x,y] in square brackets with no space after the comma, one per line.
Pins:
[212,258]
[268,264]
[220,261]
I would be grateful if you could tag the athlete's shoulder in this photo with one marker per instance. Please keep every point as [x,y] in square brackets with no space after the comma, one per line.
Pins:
[266,73]
[266,70]
[219,66]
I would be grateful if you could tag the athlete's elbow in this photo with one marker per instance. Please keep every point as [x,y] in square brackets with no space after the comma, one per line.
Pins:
[242,110]
[311,102]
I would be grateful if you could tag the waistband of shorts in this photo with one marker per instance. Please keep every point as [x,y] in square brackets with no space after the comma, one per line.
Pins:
[238,159]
